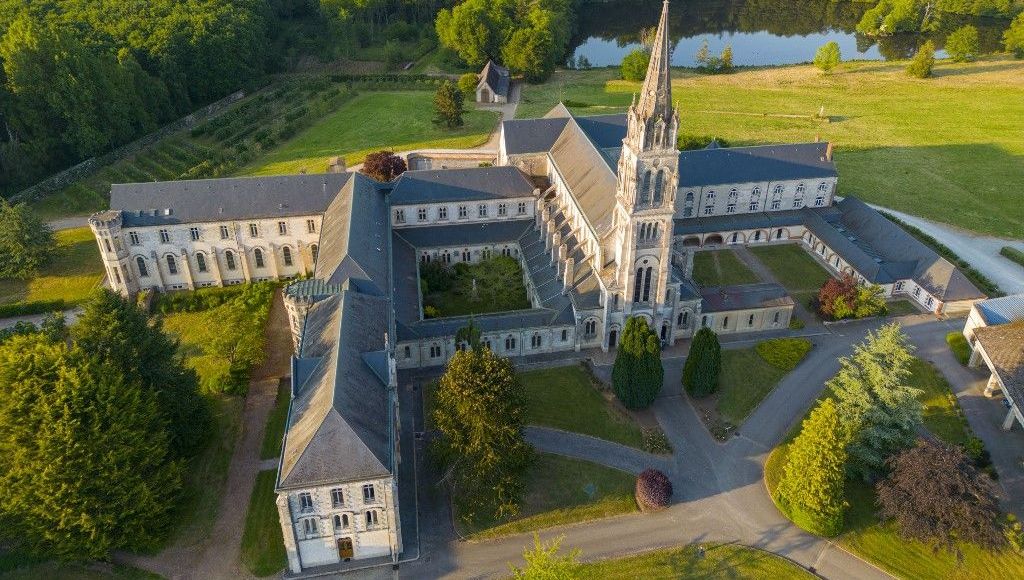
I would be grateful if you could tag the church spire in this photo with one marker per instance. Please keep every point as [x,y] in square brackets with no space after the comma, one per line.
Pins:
[656,95]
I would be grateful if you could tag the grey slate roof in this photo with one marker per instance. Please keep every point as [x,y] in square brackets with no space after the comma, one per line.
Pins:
[604,131]
[1004,345]
[1002,310]
[739,221]
[588,174]
[719,166]
[464,234]
[496,77]
[726,298]
[470,184]
[339,423]
[354,238]
[531,135]
[225,199]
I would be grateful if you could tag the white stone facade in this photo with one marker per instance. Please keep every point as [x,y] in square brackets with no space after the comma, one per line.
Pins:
[448,213]
[741,198]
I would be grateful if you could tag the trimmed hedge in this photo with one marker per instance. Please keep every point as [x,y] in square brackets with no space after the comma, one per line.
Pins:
[197,300]
[783,353]
[653,490]
[958,344]
[1013,254]
[32,308]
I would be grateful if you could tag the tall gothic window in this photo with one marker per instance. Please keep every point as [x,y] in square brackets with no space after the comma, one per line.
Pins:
[141,263]
[659,184]
[647,284]
[637,285]
[644,195]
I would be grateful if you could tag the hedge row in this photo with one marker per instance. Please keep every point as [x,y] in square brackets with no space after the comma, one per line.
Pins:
[197,300]
[32,308]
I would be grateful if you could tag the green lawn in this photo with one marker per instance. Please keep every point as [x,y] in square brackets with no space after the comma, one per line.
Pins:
[565,398]
[262,545]
[719,561]
[902,308]
[747,376]
[560,491]
[184,325]
[74,571]
[494,285]
[70,276]
[721,268]
[958,344]
[272,437]
[794,269]
[942,413]
[367,123]
[900,142]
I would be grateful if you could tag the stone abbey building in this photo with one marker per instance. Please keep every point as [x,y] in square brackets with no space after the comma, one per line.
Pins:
[603,213]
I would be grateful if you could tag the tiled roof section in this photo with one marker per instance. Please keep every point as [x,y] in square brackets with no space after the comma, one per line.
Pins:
[225,199]
[704,167]
[354,238]
[531,135]
[604,131]
[339,421]
[588,176]
[1004,347]
[726,298]
[311,288]
[464,234]
[496,77]
[1002,310]
[471,184]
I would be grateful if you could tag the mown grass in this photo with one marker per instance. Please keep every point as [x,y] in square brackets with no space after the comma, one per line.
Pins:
[494,285]
[74,272]
[1012,254]
[958,344]
[721,268]
[794,269]
[262,544]
[187,326]
[718,561]
[372,121]
[560,491]
[565,398]
[942,413]
[901,308]
[900,142]
[748,375]
[271,446]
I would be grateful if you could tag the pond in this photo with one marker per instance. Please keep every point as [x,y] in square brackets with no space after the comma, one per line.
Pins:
[760,32]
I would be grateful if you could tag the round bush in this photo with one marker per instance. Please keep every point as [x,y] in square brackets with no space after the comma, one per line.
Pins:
[653,490]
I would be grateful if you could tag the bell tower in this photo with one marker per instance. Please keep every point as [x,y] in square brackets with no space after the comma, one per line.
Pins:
[647,180]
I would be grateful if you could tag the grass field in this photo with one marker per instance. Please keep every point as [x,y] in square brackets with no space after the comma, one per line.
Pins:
[184,325]
[272,437]
[794,269]
[559,491]
[947,148]
[565,398]
[721,268]
[75,571]
[719,561]
[958,345]
[494,285]
[942,413]
[747,377]
[70,276]
[901,308]
[370,122]
[262,546]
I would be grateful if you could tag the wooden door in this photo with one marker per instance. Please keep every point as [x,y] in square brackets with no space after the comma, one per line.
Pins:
[345,548]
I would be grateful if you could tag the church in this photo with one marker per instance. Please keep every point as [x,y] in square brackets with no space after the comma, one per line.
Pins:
[603,213]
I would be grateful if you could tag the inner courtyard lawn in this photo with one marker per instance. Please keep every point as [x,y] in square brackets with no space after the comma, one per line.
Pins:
[263,550]
[72,274]
[719,561]
[559,491]
[721,268]
[565,398]
[498,288]
[370,122]
[793,268]
[901,142]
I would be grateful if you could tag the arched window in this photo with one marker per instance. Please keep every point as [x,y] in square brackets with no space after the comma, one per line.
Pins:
[143,270]
[286,253]
[644,195]
[172,265]
[800,189]
[229,257]
[637,284]
[315,251]
[257,255]
[689,197]
[647,284]
[756,192]
[733,194]
[823,187]
[659,185]
[201,261]
[778,189]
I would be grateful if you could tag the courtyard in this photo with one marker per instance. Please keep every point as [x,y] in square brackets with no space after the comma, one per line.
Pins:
[491,285]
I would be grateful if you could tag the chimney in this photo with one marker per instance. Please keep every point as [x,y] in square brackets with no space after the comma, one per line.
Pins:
[828,151]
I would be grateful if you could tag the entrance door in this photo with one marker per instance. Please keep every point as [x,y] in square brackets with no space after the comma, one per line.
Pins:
[611,338]
[345,549]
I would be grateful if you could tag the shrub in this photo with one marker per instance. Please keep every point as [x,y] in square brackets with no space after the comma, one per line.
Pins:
[1013,254]
[467,84]
[796,324]
[655,441]
[31,308]
[783,353]
[962,44]
[653,490]
[1013,38]
[638,374]
[197,300]
[634,65]
[827,57]
[430,311]
[393,54]
[923,61]
[1014,533]
[843,298]
[703,364]
[958,344]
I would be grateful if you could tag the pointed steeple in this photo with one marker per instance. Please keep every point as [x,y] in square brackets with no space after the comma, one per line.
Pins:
[656,95]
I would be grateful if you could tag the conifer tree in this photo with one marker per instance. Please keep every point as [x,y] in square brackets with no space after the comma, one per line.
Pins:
[26,243]
[637,375]
[448,105]
[703,364]
[923,61]
[813,483]
[877,406]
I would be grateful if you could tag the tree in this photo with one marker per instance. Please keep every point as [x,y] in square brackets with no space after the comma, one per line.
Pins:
[113,330]
[935,494]
[962,45]
[877,406]
[843,298]
[478,410]
[827,57]
[703,364]
[638,374]
[384,166]
[703,54]
[653,490]
[529,51]
[448,105]
[923,62]
[544,562]
[812,487]
[469,30]
[634,65]
[85,459]
[26,243]
[726,58]
[467,84]
[1013,38]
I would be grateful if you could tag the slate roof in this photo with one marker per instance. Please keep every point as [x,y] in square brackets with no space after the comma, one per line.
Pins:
[467,184]
[726,298]
[339,422]
[1002,310]
[354,238]
[225,199]
[589,176]
[604,131]
[717,166]
[496,77]
[1004,346]
[531,135]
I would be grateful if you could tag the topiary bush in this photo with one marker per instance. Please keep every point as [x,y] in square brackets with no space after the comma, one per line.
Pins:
[703,364]
[653,490]
[638,374]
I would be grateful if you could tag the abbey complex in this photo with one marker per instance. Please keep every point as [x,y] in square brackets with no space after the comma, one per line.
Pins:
[603,214]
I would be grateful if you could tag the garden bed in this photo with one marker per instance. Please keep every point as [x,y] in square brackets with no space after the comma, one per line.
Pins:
[491,285]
